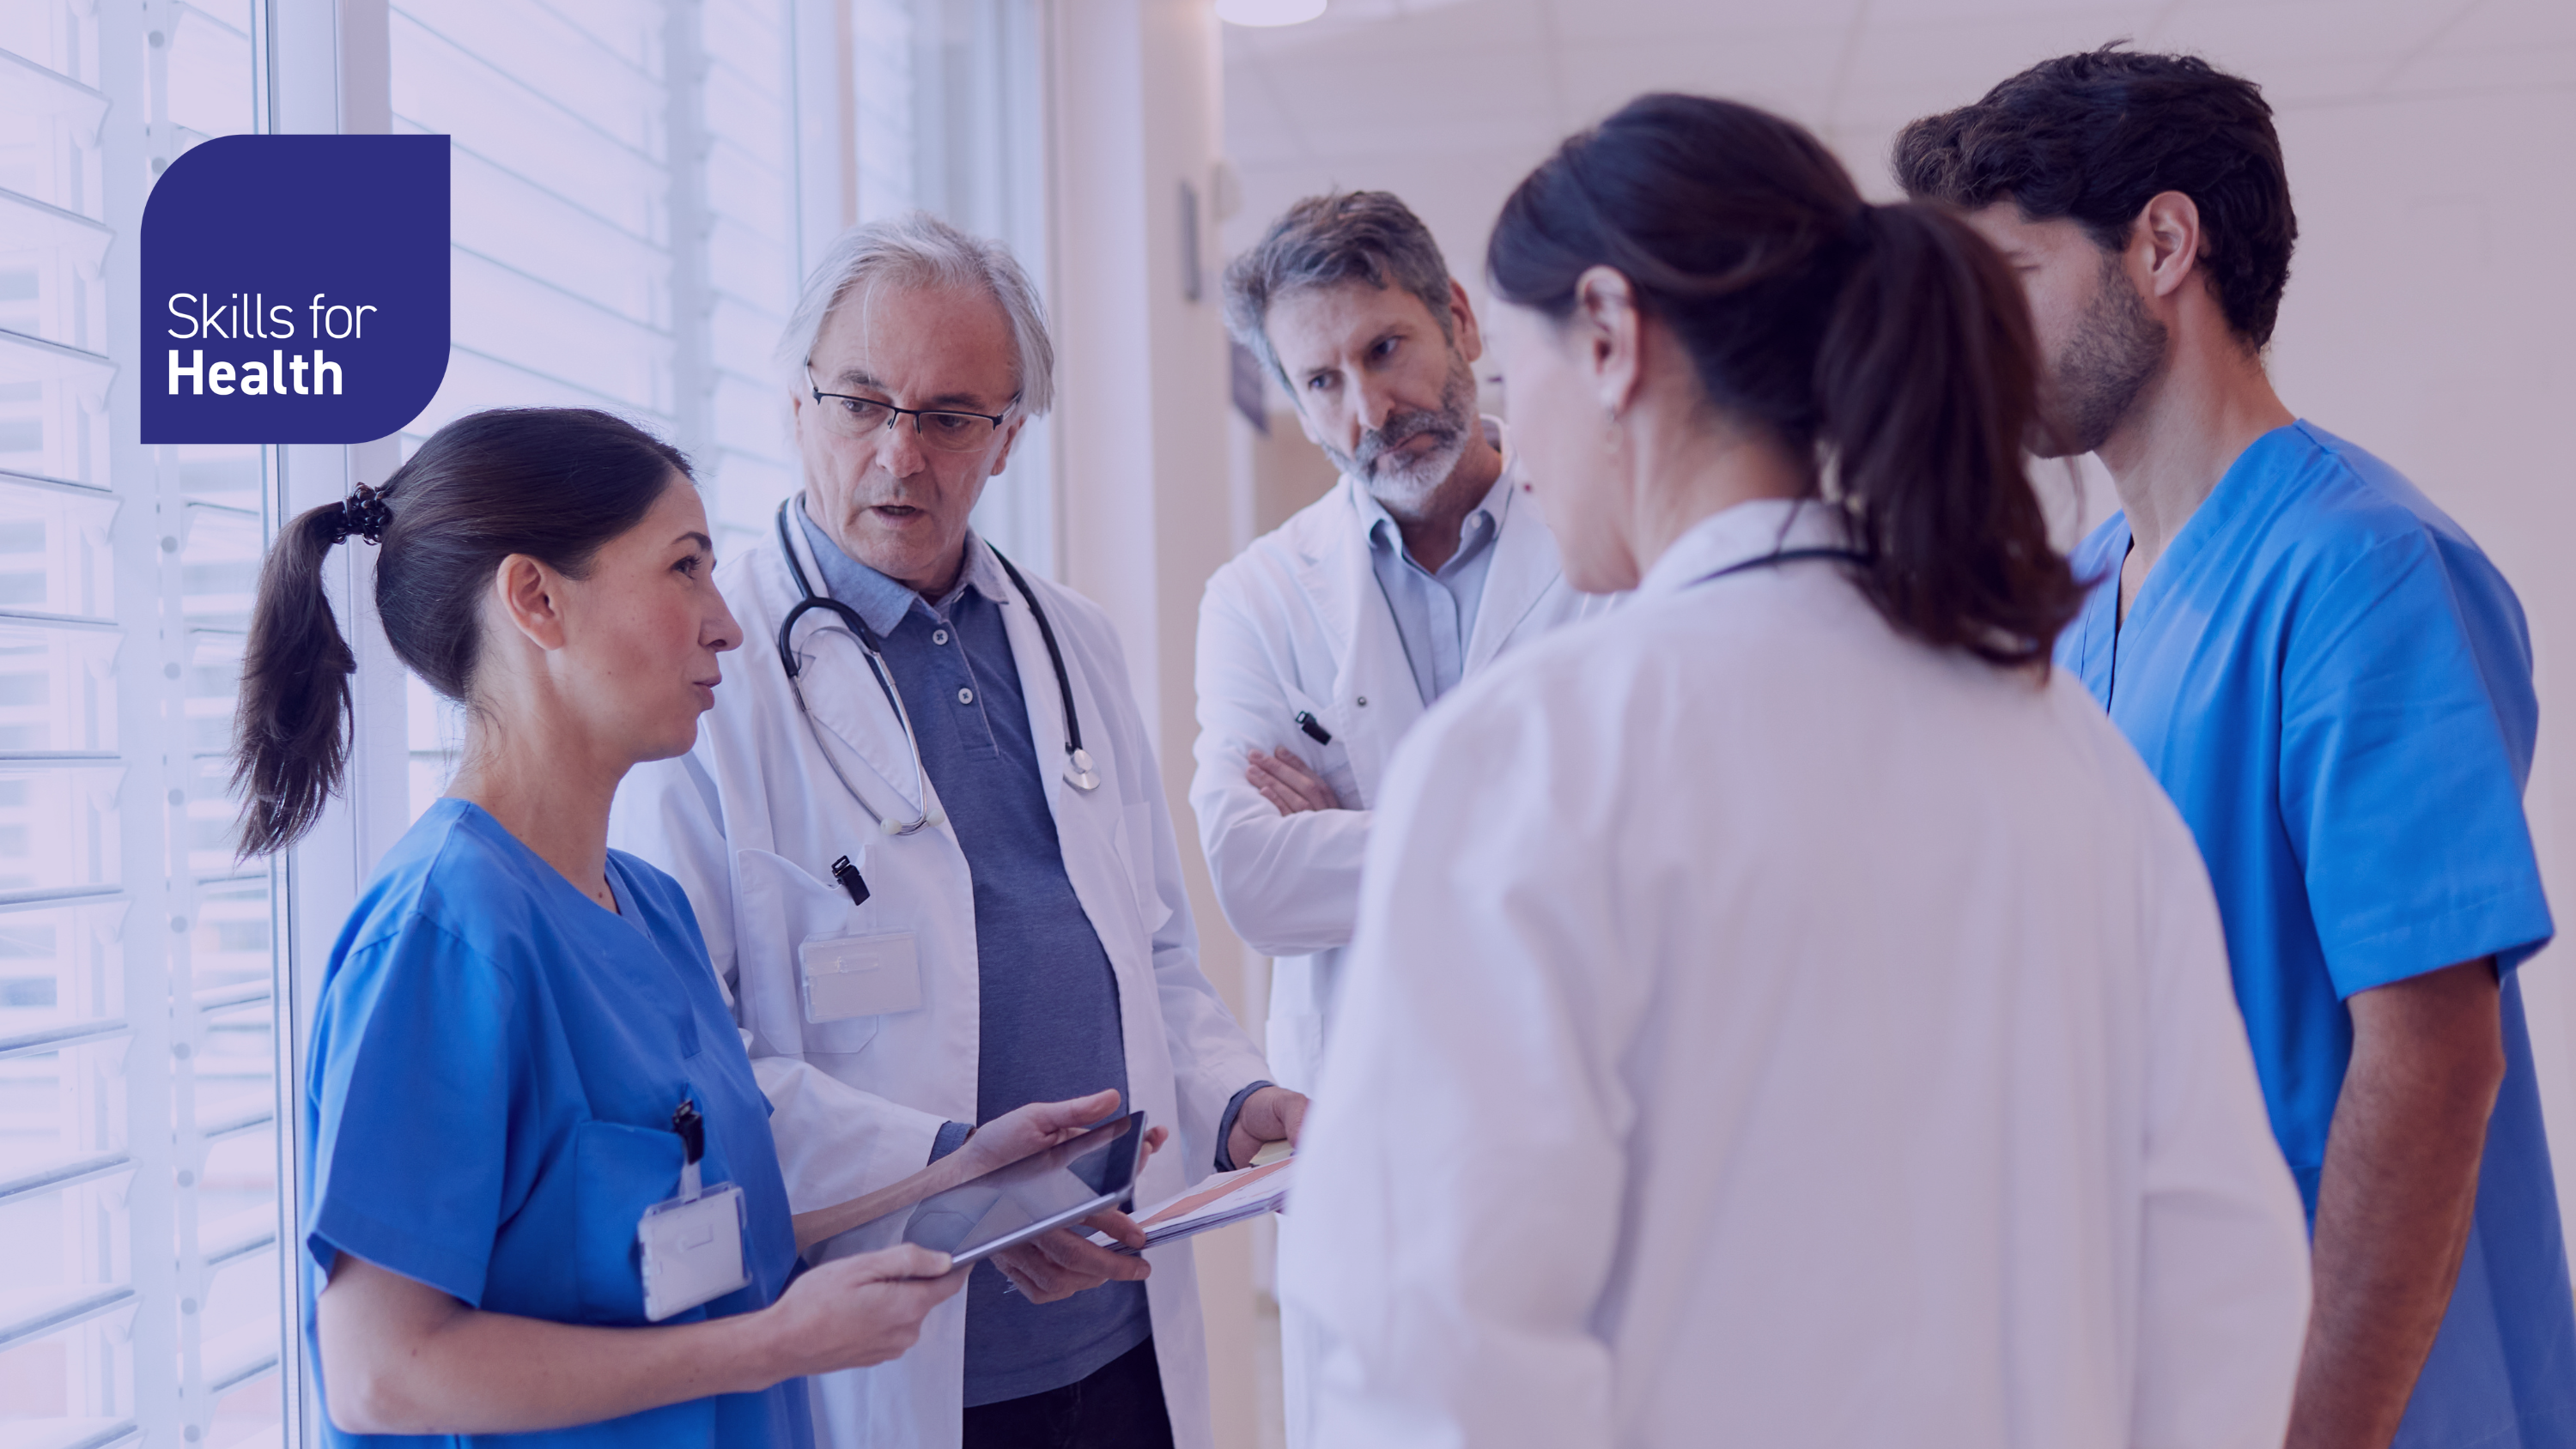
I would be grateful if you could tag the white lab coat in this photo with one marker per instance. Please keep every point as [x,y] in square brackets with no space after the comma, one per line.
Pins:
[750,821]
[1765,1030]
[1298,622]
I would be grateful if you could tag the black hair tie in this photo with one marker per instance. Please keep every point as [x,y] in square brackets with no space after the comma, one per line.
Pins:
[362,515]
[1862,231]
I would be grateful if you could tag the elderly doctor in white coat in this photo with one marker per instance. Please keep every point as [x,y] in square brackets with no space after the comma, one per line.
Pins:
[1323,643]
[934,910]
[1857,1001]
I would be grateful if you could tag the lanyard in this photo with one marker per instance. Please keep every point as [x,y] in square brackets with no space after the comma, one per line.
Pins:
[1778,557]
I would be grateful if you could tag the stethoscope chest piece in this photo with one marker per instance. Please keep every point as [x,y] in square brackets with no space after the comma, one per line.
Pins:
[1078,772]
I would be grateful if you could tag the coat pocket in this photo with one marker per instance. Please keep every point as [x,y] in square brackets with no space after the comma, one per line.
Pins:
[618,1172]
[789,922]
[1333,760]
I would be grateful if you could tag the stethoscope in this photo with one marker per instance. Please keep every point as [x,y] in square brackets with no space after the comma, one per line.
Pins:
[1077,761]
[1778,557]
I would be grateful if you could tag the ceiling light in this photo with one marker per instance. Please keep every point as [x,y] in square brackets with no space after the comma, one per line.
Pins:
[1268,12]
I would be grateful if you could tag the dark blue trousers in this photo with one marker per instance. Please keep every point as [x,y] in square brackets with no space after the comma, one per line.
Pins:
[1119,1407]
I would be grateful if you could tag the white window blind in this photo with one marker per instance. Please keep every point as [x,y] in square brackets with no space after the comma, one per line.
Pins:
[632,215]
[978,116]
[637,188]
[139,1168]
[623,219]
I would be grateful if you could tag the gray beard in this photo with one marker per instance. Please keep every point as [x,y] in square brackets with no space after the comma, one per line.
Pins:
[2117,351]
[1405,484]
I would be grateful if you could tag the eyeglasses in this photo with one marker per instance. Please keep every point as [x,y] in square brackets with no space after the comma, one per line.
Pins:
[944,429]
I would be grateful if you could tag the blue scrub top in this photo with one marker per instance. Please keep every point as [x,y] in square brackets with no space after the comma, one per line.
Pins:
[495,1064]
[2334,686]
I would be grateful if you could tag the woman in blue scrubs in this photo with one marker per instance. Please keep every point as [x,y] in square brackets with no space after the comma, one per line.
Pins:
[517,1022]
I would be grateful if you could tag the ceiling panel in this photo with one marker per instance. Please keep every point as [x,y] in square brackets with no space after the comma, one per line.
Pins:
[2251,37]
[1260,126]
[2082,12]
[1590,22]
[1785,72]
[1369,99]
[1450,102]
[2514,24]
[1455,195]
[1352,27]
[2447,70]
[1903,69]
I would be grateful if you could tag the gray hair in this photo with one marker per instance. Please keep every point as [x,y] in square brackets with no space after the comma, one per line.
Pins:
[1322,241]
[920,250]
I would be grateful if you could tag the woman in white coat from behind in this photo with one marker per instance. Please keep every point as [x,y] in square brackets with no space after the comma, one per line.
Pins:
[1856,1001]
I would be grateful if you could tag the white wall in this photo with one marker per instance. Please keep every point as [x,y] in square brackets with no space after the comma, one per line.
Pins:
[1142,455]
[2428,320]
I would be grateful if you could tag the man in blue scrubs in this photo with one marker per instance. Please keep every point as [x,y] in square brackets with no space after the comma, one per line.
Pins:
[2334,685]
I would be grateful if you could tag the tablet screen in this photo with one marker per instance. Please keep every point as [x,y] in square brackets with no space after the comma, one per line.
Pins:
[1016,1203]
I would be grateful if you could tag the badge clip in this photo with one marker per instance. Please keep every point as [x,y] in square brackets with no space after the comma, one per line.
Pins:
[692,1244]
[848,875]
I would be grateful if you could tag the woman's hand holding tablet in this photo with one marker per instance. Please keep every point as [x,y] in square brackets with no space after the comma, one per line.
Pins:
[860,1311]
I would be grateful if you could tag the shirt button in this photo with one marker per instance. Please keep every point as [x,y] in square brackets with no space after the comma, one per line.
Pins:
[938,636]
[965,696]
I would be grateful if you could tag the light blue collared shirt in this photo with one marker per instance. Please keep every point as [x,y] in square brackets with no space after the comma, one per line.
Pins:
[1435,612]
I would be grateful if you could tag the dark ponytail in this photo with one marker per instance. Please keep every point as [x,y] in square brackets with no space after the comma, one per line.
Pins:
[1887,344]
[555,484]
[1928,384]
[289,749]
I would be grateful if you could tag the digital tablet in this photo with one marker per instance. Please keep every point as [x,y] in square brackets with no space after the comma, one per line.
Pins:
[1010,1205]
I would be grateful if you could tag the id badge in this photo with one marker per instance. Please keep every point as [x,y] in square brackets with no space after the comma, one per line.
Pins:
[859,976]
[692,1250]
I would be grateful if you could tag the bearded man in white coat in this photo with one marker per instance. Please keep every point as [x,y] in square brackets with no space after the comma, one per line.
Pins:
[924,834]
[1323,643]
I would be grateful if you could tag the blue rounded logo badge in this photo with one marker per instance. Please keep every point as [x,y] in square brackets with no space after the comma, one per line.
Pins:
[295,289]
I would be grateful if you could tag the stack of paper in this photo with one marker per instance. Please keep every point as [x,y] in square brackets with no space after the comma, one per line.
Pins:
[1228,1197]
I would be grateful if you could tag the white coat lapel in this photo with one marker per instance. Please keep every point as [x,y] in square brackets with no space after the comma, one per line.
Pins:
[1084,819]
[1037,676]
[1525,566]
[853,721]
[1320,566]
[1373,689]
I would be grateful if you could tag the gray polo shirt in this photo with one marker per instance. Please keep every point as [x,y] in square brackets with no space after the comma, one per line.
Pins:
[1050,1027]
